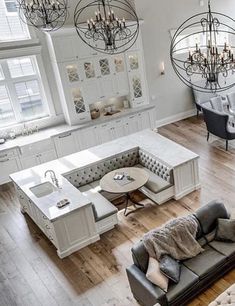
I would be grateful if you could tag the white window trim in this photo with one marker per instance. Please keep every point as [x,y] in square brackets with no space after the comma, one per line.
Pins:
[44,89]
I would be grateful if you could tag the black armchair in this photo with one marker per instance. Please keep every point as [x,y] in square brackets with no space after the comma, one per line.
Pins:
[217,124]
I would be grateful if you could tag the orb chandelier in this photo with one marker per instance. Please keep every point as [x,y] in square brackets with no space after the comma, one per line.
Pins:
[201,53]
[46,15]
[107,29]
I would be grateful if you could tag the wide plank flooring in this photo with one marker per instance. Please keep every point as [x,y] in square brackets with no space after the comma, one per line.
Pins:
[32,274]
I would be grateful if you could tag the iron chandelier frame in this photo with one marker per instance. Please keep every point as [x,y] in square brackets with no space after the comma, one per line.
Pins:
[208,65]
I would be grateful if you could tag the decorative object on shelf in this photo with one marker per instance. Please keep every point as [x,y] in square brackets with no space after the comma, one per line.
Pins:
[95,113]
[210,61]
[107,31]
[45,15]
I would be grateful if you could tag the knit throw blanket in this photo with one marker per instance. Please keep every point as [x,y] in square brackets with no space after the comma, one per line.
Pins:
[176,238]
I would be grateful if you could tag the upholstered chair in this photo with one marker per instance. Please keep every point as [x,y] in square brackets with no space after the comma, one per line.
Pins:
[231,101]
[217,124]
[217,104]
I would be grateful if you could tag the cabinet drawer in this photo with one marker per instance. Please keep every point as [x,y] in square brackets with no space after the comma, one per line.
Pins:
[37,147]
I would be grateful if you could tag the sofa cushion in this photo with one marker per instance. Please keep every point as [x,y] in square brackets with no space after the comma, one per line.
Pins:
[225,248]
[170,268]
[225,230]
[187,279]
[207,216]
[155,276]
[155,183]
[205,262]
[102,208]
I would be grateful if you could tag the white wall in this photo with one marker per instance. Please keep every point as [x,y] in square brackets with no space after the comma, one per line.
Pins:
[172,96]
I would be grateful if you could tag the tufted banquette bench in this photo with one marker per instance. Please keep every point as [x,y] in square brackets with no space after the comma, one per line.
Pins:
[159,188]
[225,298]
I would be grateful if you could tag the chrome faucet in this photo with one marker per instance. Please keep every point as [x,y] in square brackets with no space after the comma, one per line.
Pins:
[53,177]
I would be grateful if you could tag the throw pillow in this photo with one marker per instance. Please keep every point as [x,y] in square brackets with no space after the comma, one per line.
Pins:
[170,268]
[155,276]
[225,230]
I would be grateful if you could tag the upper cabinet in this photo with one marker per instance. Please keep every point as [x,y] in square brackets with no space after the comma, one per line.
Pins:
[85,76]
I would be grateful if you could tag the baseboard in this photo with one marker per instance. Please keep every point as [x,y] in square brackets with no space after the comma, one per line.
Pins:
[175,118]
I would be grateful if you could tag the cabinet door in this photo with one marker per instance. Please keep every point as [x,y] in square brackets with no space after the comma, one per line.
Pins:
[47,156]
[80,112]
[8,166]
[118,129]
[30,161]
[106,132]
[105,76]
[72,72]
[88,137]
[64,48]
[65,144]
[135,73]
[144,121]
[120,75]
[132,124]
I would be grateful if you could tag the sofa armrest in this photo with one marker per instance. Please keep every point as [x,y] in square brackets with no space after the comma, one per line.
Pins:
[143,290]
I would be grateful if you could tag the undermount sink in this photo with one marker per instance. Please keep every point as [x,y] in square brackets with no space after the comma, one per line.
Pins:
[43,189]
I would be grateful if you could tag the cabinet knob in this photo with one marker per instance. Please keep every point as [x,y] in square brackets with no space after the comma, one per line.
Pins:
[48,227]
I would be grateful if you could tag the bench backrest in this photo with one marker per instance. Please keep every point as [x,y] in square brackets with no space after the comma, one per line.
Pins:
[150,162]
[95,172]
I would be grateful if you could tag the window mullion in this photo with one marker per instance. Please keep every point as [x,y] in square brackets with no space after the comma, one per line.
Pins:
[11,91]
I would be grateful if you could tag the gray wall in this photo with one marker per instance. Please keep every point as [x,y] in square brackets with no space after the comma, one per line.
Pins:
[172,96]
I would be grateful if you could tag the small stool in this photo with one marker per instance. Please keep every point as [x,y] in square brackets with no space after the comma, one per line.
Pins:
[225,298]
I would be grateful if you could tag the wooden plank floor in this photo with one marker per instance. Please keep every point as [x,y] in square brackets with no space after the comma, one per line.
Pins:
[32,274]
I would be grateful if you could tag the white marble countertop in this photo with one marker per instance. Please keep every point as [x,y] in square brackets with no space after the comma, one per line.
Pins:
[164,149]
[50,132]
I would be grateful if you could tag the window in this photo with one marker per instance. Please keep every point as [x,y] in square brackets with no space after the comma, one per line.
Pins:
[11,26]
[21,93]
[11,6]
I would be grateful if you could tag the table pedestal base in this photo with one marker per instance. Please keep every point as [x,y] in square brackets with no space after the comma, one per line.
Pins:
[134,203]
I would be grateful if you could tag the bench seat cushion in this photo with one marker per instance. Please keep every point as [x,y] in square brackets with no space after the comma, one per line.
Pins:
[102,208]
[204,263]
[109,196]
[155,183]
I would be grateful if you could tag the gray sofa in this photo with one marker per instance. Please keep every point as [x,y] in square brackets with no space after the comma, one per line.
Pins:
[196,274]
[160,186]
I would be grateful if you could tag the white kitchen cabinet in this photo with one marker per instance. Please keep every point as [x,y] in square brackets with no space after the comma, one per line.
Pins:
[118,128]
[88,137]
[9,163]
[47,156]
[65,144]
[120,76]
[37,153]
[29,161]
[136,78]
[85,76]
[106,132]
[132,124]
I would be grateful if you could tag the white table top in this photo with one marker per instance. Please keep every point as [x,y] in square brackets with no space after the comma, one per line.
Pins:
[140,177]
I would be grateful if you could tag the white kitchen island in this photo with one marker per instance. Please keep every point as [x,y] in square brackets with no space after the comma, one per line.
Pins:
[73,227]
